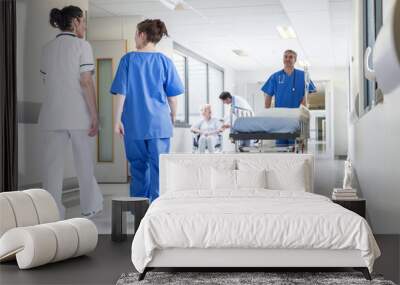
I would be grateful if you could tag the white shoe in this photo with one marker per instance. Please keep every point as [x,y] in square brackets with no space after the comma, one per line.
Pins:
[92,213]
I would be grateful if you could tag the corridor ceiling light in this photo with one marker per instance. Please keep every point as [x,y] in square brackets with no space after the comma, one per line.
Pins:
[240,52]
[286,32]
[176,5]
[181,5]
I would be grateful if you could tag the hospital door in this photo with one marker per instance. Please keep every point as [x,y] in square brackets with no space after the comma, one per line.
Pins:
[110,162]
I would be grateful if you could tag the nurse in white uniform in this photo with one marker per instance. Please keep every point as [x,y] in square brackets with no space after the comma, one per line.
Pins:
[69,110]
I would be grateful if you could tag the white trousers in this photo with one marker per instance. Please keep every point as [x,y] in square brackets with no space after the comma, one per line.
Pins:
[208,142]
[56,142]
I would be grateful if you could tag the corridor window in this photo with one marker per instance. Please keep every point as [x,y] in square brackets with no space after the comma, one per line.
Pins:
[180,63]
[216,86]
[372,24]
[203,81]
[197,88]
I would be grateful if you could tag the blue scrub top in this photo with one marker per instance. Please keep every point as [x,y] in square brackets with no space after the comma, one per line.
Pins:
[146,79]
[287,89]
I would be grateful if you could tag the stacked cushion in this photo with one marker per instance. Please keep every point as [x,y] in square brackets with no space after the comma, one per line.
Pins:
[31,233]
[7,218]
[41,244]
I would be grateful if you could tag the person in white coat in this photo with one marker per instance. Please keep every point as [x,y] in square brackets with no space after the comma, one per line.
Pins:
[237,104]
[69,110]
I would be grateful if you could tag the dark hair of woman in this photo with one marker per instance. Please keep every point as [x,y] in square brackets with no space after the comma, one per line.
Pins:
[154,30]
[62,19]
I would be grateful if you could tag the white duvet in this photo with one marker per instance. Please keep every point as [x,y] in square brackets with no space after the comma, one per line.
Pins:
[250,219]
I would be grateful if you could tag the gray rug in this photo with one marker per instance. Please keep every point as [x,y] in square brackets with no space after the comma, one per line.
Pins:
[243,278]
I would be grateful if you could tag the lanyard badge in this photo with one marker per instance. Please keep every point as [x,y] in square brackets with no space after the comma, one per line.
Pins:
[281,80]
[294,81]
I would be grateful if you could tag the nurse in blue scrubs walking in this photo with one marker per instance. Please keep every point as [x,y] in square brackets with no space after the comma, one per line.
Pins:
[146,85]
[288,86]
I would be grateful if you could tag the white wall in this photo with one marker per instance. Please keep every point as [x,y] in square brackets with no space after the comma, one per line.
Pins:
[33,31]
[114,28]
[340,98]
[375,149]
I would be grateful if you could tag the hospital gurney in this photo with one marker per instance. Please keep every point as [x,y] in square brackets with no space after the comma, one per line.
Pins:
[271,124]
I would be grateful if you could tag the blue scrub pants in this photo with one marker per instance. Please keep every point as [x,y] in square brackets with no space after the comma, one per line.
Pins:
[143,157]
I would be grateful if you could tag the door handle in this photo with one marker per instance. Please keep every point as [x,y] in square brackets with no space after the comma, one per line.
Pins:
[369,72]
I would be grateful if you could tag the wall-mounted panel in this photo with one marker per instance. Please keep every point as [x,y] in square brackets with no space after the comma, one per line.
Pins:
[105,108]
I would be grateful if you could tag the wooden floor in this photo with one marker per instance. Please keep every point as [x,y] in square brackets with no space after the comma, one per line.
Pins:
[110,260]
[103,266]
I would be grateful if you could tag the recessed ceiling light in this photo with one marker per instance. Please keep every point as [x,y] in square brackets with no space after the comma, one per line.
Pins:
[240,52]
[181,5]
[176,5]
[286,32]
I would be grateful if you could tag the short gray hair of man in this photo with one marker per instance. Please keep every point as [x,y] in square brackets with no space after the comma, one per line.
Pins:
[292,52]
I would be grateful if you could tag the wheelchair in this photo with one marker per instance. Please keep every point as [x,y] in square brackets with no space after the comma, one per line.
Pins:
[218,145]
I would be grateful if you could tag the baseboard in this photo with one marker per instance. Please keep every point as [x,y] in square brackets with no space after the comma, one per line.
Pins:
[114,180]
[70,196]
[340,157]
[68,184]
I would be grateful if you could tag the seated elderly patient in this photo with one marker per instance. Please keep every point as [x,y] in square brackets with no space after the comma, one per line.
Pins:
[208,129]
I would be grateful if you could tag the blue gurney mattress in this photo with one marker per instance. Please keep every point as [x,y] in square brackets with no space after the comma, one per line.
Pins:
[266,124]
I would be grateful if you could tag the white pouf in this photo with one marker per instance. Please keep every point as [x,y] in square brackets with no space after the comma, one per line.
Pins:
[6,216]
[31,233]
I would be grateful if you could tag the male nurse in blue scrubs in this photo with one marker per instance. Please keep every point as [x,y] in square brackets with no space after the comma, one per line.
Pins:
[288,87]
[146,85]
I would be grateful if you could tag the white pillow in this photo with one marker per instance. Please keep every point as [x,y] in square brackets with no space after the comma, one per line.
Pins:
[223,179]
[184,177]
[292,177]
[251,178]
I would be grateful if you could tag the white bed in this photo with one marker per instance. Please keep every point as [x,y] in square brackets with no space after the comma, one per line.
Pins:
[218,224]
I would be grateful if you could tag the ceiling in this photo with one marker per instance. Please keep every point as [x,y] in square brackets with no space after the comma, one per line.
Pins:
[219,26]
